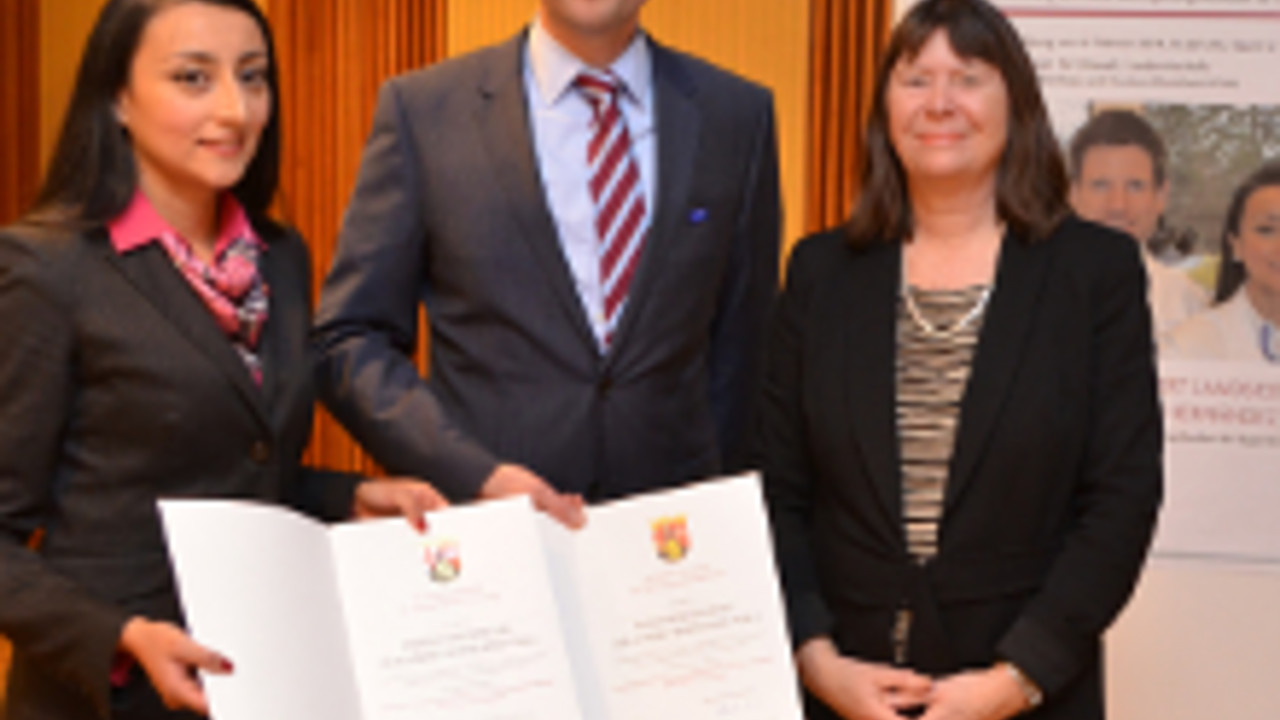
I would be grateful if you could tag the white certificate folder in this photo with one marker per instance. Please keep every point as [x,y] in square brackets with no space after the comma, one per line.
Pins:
[665,605]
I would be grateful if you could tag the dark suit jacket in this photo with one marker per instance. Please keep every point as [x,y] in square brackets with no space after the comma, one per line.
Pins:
[117,387]
[449,210]
[1054,481]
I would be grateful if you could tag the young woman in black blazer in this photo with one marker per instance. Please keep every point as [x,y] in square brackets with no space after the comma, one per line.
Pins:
[960,431]
[155,343]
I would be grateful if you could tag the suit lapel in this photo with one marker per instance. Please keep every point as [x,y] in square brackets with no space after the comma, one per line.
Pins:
[678,123]
[507,143]
[869,300]
[1001,344]
[284,350]
[153,275]
[271,345]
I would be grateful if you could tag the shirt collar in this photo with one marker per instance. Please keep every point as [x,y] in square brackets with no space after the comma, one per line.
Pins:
[555,68]
[1251,314]
[141,225]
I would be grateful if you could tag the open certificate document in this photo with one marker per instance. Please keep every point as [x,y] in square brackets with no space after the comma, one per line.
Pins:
[664,606]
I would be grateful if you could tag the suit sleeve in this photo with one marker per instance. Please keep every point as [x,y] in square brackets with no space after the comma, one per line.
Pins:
[750,284]
[366,325]
[49,618]
[1118,491]
[327,495]
[780,447]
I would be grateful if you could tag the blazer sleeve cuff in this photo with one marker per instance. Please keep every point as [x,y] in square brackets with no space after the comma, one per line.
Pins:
[327,494]
[462,472]
[86,660]
[1040,655]
[103,649]
[809,617]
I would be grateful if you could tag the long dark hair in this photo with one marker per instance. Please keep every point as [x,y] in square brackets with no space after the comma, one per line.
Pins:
[1031,187]
[1231,272]
[92,175]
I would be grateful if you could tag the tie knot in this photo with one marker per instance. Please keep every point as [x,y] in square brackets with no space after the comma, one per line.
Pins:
[600,87]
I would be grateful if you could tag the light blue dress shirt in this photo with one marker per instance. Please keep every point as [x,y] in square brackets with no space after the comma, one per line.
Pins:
[560,119]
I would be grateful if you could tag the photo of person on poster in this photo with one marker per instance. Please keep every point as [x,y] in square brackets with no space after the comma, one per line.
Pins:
[1245,322]
[1119,178]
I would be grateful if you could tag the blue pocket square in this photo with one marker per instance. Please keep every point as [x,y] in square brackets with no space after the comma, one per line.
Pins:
[697,216]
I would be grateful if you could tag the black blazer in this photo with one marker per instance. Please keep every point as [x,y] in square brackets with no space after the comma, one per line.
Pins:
[117,387]
[1054,481]
[449,210]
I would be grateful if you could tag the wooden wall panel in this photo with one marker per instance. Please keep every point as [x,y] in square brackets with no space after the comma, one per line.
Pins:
[19,106]
[476,23]
[847,38]
[333,55]
[64,28]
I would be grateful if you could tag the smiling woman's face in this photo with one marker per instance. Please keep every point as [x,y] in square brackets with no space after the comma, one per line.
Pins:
[1257,244]
[948,115]
[197,99]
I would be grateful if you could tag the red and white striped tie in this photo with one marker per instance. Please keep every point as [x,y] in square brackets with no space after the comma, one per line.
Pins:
[616,190]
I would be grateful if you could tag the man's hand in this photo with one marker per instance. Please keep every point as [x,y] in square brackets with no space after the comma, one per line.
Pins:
[388,497]
[507,480]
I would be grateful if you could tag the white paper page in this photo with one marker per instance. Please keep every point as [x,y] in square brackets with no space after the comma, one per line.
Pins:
[683,606]
[458,623]
[560,545]
[257,584]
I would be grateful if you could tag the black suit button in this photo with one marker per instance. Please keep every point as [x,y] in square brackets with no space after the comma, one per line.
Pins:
[604,385]
[260,452]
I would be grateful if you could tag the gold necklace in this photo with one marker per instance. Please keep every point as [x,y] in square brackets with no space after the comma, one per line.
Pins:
[928,328]
[933,331]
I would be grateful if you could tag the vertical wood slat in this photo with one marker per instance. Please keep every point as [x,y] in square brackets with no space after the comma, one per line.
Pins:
[333,55]
[847,38]
[19,106]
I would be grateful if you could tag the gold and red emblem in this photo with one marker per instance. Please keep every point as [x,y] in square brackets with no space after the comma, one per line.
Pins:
[671,537]
[444,560]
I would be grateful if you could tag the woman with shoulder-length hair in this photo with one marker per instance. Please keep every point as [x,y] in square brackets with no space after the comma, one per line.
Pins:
[155,324]
[1244,323]
[960,432]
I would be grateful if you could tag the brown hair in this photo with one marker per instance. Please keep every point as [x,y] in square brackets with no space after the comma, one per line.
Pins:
[1031,187]
[1231,272]
[1119,128]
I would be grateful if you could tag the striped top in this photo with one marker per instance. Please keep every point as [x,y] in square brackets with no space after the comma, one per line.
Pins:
[932,369]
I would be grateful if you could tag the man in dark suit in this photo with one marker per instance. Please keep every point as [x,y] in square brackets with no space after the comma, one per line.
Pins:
[592,222]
